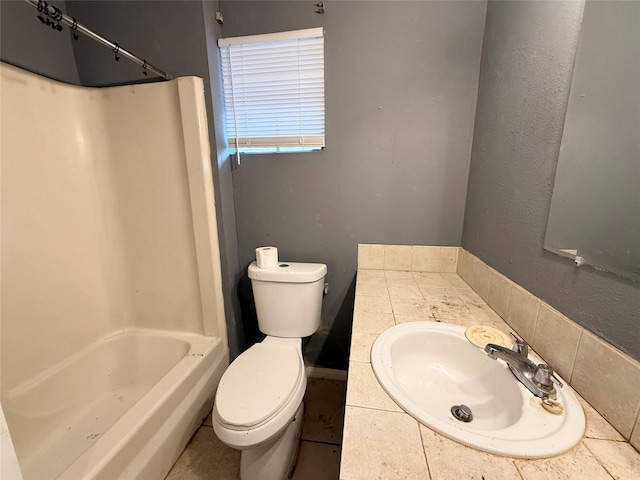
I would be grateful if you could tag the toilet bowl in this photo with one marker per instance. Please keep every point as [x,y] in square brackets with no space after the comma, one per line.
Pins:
[258,407]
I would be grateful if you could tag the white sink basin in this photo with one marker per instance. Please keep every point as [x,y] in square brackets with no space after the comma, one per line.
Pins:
[429,367]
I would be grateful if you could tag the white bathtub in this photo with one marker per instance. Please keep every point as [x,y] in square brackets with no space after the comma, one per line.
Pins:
[124,407]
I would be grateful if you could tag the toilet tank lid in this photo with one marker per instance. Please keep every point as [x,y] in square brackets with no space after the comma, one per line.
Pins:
[289,272]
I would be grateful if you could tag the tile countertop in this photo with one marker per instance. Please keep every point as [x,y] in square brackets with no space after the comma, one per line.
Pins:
[381,441]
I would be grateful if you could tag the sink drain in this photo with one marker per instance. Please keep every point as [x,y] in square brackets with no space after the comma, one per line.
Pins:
[462,413]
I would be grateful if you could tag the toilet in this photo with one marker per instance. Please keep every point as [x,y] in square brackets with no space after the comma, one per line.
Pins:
[258,406]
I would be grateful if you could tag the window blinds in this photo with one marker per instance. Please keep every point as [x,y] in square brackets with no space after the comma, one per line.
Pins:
[274,90]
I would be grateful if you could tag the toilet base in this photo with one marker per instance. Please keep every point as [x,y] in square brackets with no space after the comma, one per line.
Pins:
[275,460]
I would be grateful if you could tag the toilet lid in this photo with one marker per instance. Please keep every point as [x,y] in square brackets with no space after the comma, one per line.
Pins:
[258,384]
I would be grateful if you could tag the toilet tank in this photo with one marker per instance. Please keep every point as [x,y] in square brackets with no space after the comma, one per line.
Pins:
[288,298]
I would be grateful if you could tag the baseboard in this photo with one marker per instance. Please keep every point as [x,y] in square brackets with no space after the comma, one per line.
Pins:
[325,373]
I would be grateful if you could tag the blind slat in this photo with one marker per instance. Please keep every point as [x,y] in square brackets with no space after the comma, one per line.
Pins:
[274,91]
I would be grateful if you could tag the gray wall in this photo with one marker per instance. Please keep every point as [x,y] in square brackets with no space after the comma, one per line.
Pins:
[401,85]
[527,61]
[26,43]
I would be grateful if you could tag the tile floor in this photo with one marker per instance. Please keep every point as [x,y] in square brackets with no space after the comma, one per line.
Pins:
[207,458]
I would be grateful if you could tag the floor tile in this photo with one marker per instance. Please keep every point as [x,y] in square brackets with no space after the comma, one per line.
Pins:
[206,457]
[317,461]
[324,415]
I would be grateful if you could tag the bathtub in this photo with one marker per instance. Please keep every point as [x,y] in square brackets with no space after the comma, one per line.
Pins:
[123,407]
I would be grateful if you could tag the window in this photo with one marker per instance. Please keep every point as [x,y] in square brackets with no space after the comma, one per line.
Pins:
[274,91]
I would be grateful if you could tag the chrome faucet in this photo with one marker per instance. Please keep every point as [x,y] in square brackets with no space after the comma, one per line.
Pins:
[537,378]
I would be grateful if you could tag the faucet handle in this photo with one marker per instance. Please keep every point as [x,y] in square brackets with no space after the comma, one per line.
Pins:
[544,374]
[520,346]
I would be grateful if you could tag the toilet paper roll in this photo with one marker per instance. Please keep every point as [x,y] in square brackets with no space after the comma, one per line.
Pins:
[267,257]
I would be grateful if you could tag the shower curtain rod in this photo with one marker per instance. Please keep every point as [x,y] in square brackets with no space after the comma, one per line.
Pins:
[56,15]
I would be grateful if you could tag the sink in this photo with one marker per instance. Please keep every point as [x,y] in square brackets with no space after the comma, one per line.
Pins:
[430,369]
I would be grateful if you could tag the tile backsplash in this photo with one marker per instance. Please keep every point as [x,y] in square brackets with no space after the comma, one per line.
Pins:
[607,378]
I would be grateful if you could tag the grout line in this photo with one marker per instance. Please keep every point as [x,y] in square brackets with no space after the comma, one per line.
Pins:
[424,451]
[379,409]
[597,459]
[515,464]
[575,356]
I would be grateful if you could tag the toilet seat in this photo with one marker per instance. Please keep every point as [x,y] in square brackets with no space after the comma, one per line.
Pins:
[258,384]
[247,416]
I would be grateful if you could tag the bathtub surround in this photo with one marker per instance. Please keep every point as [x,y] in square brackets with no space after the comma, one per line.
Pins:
[382,441]
[181,36]
[527,60]
[113,335]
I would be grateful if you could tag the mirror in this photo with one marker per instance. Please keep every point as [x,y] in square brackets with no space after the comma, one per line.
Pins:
[595,208]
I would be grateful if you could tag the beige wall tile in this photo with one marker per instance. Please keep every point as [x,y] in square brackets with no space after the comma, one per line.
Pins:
[635,435]
[556,339]
[499,293]
[372,322]
[596,425]
[367,454]
[523,312]
[620,459]
[576,464]
[371,256]
[363,389]
[430,279]
[372,289]
[361,346]
[426,259]
[449,259]
[454,280]
[371,276]
[609,381]
[450,460]
[364,303]
[481,278]
[466,266]
[397,257]
[404,291]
